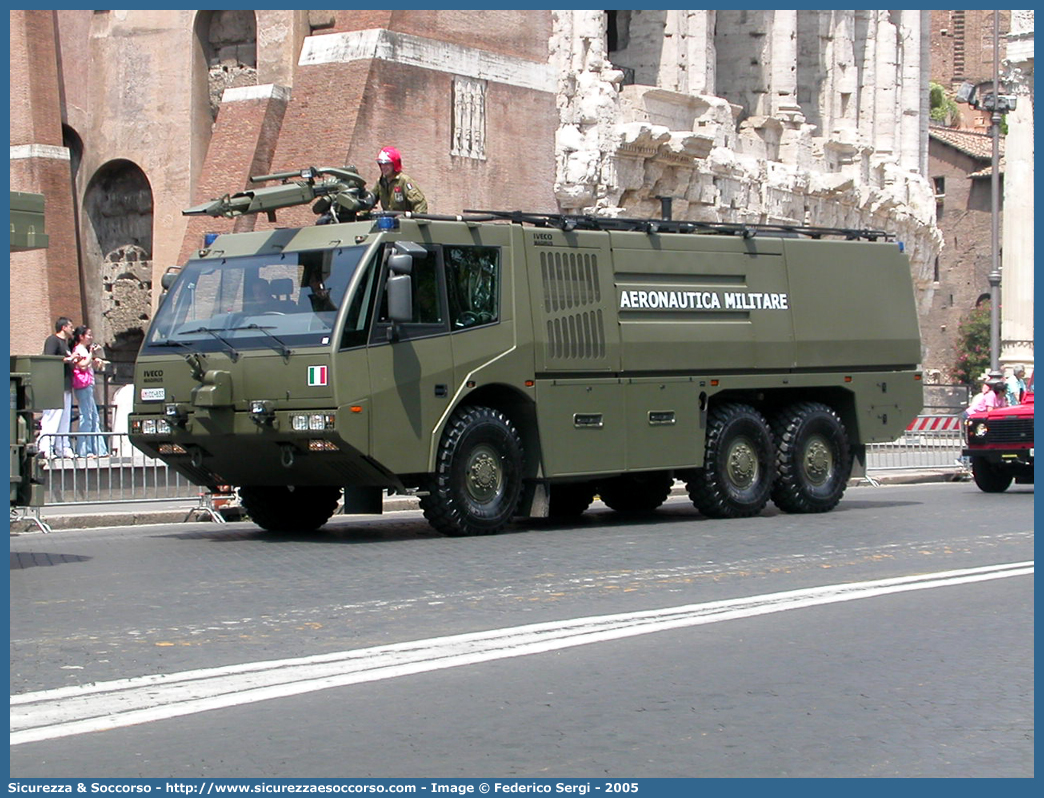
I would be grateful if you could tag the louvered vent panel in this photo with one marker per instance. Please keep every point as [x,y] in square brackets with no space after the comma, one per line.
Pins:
[572,299]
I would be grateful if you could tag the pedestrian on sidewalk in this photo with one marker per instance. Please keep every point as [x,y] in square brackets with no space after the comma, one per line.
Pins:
[85,360]
[55,422]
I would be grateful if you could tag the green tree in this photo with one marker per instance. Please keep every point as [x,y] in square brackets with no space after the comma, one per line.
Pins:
[943,109]
[973,346]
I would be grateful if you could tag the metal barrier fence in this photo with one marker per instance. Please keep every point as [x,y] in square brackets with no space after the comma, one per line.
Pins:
[126,474]
[933,442]
[123,474]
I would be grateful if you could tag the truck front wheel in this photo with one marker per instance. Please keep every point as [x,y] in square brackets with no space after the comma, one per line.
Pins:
[739,464]
[989,477]
[477,483]
[813,460]
[289,508]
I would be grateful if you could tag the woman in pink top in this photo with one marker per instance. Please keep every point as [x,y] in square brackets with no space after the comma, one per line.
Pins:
[991,398]
[85,361]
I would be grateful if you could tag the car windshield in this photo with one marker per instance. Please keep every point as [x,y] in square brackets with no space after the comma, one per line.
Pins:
[273,301]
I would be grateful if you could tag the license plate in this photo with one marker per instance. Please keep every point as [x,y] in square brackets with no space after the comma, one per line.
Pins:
[153,394]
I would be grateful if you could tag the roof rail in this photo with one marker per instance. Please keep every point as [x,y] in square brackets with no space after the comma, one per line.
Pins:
[569,222]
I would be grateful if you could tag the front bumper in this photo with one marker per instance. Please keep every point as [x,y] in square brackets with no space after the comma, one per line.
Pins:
[1005,456]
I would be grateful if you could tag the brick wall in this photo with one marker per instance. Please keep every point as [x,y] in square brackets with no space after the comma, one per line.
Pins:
[45,283]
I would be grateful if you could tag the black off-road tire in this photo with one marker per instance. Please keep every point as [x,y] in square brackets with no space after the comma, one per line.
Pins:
[739,464]
[477,484]
[635,493]
[570,499]
[989,477]
[813,458]
[282,508]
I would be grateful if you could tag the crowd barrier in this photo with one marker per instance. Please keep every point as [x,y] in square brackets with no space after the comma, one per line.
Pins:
[123,474]
[127,474]
[932,442]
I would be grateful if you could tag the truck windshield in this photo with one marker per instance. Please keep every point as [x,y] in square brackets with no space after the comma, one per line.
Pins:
[255,302]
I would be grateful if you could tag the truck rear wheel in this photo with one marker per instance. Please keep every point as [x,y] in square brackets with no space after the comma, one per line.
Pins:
[989,477]
[813,459]
[570,499]
[477,483]
[739,464]
[635,493]
[289,508]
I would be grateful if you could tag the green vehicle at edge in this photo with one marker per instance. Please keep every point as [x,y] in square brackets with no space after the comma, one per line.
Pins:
[503,364]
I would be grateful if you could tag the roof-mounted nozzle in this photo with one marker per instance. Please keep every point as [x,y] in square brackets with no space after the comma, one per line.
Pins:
[665,207]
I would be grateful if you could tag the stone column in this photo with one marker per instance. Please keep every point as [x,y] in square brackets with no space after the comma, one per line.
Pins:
[886,79]
[784,68]
[913,75]
[700,52]
[1018,221]
[839,112]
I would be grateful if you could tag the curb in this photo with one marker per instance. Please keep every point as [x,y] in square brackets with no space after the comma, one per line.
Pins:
[94,520]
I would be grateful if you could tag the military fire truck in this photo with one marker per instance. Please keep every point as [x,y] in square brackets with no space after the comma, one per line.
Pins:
[502,364]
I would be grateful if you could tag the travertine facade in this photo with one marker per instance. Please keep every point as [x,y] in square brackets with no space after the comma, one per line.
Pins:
[804,117]
[1018,232]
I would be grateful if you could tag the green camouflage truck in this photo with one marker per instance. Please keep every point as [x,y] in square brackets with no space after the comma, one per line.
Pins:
[503,364]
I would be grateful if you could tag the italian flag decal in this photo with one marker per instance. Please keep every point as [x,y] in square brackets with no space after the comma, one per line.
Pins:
[316,375]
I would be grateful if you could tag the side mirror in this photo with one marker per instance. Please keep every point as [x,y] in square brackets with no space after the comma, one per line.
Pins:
[399,264]
[400,298]
[167,280]
[400,283]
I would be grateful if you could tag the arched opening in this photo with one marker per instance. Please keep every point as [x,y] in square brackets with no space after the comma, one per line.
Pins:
[116,247]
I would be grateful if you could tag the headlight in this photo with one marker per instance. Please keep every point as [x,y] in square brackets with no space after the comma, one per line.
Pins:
[311,422]
[979,429]
[152,426]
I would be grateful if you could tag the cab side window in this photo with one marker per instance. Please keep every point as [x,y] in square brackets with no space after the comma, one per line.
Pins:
[429,314]
[473,285]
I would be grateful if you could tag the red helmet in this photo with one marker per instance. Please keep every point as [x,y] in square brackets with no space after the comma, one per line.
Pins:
[390,155]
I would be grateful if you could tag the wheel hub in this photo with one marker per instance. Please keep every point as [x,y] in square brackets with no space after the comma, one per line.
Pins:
[484,475]
[818,461]
[742,464]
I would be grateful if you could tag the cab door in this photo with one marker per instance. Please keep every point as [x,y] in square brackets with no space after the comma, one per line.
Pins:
[411,371]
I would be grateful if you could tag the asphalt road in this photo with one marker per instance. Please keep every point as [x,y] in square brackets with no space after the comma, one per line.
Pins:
[922,677]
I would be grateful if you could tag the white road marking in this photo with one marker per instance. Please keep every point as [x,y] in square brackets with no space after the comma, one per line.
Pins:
[66,711]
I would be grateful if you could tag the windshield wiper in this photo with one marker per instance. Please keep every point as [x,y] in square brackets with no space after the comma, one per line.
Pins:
[172,342]
[232,353]
[283,348]
[192,357]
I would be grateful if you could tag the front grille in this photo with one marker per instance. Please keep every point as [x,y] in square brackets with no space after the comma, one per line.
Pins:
[1009,431]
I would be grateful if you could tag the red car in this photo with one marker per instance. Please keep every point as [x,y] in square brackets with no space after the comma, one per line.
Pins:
[1000,444]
